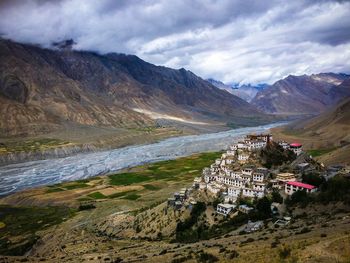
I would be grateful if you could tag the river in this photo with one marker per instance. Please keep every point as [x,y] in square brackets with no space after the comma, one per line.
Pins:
[21,176]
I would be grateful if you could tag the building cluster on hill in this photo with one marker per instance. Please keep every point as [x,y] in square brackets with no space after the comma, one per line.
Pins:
[238,174]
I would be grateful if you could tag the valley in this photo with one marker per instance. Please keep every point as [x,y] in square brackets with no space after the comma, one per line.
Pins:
[20,176]
[182,132]
[125,217]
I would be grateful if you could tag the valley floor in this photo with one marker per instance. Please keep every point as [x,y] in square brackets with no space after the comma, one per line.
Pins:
[75,139]
[322,234]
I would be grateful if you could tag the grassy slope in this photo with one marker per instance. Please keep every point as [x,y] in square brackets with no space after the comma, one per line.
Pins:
[20,224]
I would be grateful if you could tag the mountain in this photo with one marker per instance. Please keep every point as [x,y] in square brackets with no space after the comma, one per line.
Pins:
[245,91]
[44,90]
[327,133]
[297,95]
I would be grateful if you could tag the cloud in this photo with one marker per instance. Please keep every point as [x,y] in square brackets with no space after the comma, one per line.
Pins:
[247,41]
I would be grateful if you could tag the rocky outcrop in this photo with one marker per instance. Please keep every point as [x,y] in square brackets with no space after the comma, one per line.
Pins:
[13,88]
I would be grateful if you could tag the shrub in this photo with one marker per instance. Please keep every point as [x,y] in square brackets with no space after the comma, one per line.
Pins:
[86,207]
[233,254]
[284,252]
[276,197]
[163,252]
[206,257]
[313,179]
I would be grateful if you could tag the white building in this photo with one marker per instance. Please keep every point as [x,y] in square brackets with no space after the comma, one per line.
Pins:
[245,209]
[259,186]
[233,191]
[243,157]
[209,178]
[258,177]
[284,145]
[253,226]
[231,153]
[248,170]
[296,148]
[224,209]
[255,144]
[249,192]
[292,187]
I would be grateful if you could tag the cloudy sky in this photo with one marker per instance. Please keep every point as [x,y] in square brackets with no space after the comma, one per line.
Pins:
[246,41]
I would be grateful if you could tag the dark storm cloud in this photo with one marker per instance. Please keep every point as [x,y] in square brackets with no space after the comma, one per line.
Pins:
[231,40]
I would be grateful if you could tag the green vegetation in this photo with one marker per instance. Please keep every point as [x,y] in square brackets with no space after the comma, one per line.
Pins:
[120,194]
[132,197]
[30,145]
[55,190]
[319,152]
[221,228]
[97,195]
[334,190]
[151,187]
[182,169]
[274,155]
[184,233]
[83,207]
[313,179]
[75,185]
[20,225]
[69,186]
[206,257]
[127,178]
[276,197]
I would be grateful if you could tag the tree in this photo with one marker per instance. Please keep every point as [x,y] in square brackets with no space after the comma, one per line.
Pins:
[276,197]
[299,197]
[313,179]
[264,207]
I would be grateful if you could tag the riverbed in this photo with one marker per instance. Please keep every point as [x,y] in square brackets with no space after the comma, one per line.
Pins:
[16,177]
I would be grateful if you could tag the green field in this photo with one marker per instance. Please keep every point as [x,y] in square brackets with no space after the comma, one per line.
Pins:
[319,152]
[151,187]
[30,145]
[132,197]
[182,169]
[20,224]
[97,195]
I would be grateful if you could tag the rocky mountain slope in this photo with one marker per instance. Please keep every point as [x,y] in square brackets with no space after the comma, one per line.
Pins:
[329,131]
[297,95]
[43,90]
[245,92]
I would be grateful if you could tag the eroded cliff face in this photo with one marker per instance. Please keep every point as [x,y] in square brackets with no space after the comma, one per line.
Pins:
[43,90]
[59,152]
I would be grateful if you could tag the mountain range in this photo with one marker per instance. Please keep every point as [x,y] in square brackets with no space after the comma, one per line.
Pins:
[44,90]
[246,91]
[306,94]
